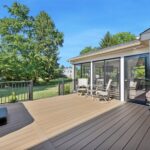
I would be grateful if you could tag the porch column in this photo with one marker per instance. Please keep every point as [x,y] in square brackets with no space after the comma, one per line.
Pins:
[73,77]
[91,81]
[149,52]
[122,79]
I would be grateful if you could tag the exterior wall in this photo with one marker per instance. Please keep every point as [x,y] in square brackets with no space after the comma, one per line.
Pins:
[68,72]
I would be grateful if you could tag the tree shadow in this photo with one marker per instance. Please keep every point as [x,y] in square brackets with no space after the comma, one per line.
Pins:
[18,117]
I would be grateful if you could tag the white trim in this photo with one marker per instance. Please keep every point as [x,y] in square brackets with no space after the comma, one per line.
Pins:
[73,77]
[91,80]
[122,72]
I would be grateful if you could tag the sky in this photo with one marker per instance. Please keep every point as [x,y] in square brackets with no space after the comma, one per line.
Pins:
[84,22]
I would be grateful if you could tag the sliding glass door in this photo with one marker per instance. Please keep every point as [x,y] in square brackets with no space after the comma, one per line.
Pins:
[77,74]
[82,71]
[136,77]
[112,72]
[86,71]
[105,70]
[98,73]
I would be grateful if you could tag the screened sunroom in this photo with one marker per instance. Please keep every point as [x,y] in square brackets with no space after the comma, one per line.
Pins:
[127,65]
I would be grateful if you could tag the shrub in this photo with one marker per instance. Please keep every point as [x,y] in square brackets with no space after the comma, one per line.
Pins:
[67,89]
[13,97]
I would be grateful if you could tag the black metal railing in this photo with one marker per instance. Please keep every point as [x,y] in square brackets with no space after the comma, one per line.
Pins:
[13,91]
[65,87]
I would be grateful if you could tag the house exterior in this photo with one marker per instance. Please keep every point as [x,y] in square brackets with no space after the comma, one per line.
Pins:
[126,64]
[67,71]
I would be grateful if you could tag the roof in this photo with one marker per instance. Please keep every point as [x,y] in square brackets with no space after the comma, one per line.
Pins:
[145,31]
[108,49]
[144,36]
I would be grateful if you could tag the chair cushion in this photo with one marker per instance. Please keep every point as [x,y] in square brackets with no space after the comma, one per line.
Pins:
[103,93]
[82,89]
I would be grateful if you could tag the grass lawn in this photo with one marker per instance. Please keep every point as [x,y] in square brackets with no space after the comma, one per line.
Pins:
[45,91]
[40,90]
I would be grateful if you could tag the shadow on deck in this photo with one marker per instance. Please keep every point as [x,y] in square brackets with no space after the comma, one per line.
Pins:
[18,117]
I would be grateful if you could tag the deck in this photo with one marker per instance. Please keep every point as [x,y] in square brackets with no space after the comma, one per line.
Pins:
[73,122]
[32,124]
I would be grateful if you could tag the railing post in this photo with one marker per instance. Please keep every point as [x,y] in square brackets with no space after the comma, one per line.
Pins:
[61,88]
[31,90]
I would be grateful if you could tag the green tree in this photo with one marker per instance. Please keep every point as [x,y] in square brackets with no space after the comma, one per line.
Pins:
[28,46]
[119,38]
[86,50]
[123,37]
[14,40]
[107,40]
[48,40]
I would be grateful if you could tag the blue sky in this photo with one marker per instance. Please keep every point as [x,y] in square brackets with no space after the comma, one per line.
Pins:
[84,22]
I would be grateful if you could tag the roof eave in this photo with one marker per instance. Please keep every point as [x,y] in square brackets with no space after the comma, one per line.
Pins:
[106,50]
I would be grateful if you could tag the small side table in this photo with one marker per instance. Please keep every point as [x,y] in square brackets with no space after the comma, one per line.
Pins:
[3,115]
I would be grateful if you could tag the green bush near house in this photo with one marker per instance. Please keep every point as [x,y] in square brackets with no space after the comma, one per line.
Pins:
[13,97]
[67,89]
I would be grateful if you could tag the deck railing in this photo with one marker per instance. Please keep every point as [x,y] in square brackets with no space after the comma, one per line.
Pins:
[16,91]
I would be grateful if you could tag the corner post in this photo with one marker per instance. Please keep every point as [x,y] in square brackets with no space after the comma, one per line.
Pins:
[91,79]
[73,77]
[122,72]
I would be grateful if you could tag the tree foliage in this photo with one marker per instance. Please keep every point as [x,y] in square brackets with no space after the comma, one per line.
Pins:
[118,38]
[123,37]
[110,40]
[28,45]
[86,50]
[107,41]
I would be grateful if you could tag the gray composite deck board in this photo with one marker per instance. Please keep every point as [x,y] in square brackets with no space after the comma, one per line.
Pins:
[131,130]
[116,136]
[145,143]
[70,133]
[126,127]
[136,139]
[111,131]
[104,130]
[83,139]
[85,127]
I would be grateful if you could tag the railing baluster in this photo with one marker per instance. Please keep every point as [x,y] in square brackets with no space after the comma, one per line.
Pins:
[22,89]
[4,89]
[27,90]
[1,95]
